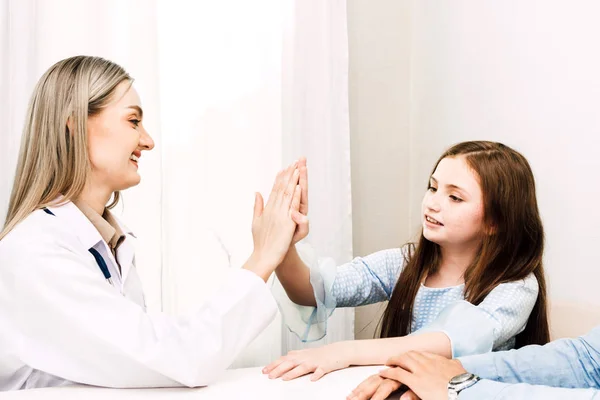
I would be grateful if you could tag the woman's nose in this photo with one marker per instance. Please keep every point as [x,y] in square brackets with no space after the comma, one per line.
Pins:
[146,141]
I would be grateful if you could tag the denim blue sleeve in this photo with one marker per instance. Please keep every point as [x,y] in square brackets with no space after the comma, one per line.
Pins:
[490,390]
[364,280]
[565,363]
[490,325]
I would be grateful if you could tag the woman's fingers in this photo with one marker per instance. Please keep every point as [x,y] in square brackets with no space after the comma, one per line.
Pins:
[258,205]
[285,185]
[276,185]
[280,184]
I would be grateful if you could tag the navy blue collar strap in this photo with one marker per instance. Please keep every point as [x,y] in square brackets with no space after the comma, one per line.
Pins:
[99,260]
[101,263]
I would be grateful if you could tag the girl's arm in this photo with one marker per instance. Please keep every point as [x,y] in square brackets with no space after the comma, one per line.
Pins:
[461,329]
[294,276]
[311,288]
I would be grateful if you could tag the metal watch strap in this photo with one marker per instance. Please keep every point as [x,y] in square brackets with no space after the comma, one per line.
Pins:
[455,389]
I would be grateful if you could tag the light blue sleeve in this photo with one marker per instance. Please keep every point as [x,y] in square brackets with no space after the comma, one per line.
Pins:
[566,363]
[364,280]
[479,329]
[490,390]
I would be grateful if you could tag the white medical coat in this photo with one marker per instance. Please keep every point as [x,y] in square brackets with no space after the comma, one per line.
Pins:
[62,322]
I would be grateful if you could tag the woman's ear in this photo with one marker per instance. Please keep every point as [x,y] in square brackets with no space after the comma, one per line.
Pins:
[69,125]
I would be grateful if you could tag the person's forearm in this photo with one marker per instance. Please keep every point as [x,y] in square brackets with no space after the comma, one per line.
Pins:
[378,351]
[560,363]
[486,389]
[294,276]
[260,266]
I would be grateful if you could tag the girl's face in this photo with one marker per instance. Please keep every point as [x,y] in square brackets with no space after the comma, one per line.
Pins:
[453,205]
[116,139]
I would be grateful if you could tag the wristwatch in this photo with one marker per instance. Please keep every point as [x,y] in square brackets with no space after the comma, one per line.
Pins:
[460,383]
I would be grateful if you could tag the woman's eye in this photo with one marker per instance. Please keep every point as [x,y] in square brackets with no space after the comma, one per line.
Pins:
[135,122]
[456,199]
[432,189]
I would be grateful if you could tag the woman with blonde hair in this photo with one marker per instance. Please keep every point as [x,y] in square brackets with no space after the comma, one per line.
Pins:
[71,302]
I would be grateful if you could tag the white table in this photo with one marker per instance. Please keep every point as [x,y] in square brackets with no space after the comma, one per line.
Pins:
[239,384]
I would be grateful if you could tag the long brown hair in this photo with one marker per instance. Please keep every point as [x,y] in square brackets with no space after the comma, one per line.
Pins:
[511,252]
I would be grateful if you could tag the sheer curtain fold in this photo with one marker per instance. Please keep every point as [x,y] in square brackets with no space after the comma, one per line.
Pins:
[316,124]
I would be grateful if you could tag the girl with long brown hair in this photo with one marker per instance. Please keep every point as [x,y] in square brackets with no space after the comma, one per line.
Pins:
[472,283]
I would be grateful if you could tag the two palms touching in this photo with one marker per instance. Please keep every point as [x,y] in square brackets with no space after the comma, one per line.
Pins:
[300,216]
[282,221]
[319,361]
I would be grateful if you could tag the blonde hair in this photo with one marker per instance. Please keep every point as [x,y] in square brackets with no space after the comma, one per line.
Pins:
[53,159]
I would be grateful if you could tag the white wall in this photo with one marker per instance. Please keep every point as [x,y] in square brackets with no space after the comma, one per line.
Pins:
[379,92]
[526,73]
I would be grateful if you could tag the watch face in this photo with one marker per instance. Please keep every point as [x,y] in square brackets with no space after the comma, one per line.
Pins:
[457,380]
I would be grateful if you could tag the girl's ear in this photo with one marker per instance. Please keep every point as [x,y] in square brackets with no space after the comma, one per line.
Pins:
[490,229]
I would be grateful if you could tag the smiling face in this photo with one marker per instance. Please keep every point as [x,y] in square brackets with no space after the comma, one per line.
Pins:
[452,209]
[116,140]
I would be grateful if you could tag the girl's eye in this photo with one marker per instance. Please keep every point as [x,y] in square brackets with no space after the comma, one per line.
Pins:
[456,199]
[135,122]
[432,189]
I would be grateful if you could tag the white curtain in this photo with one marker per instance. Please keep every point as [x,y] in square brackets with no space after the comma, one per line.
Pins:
[232,91]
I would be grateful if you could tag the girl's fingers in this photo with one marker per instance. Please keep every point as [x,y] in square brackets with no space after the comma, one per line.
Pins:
[282,369]
[318,374]
[300,370]
[303,182]
[288,193]
[273,365]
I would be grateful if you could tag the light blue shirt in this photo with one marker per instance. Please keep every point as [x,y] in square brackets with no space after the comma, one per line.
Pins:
[491,325]
[563,369]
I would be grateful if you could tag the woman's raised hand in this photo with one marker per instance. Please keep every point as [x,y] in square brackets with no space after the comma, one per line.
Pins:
[272,226]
